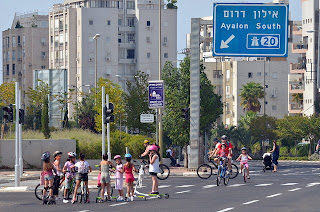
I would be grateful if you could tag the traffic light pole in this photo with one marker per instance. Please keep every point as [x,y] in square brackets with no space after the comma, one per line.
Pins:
[108,130]
[16,167]
[103,125]
[20,138]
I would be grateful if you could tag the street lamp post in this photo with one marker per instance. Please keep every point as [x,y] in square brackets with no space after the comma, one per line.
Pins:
[96,64]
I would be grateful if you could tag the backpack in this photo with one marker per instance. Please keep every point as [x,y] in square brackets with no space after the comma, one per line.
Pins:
[82,167]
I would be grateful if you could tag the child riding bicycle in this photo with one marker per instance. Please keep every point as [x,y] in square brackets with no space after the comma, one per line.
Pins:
[222,154]
[243,158]
[83,168]
[69,171]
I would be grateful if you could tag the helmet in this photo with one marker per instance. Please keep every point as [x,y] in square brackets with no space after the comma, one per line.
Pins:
[57,153]
[243,148]
[45,156]
[116,157]
[215,139]
[146,141]
[224,137]
[127,156]
[72,154]
[153,147]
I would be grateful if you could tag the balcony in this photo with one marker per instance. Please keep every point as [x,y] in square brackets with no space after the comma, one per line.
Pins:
[296,87]
[130,45]
[299,48]
[127,29]
[128,61]
[295,108]
[297,68]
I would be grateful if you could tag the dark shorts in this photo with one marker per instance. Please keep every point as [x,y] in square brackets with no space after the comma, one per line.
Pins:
[275,160]
[82,177]
[56,184]
[153,173]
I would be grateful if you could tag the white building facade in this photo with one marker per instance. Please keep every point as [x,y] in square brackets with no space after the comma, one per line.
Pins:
[128,42]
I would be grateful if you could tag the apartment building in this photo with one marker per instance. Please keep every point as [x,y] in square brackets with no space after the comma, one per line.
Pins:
[128,42]
[25,48]
[305,74]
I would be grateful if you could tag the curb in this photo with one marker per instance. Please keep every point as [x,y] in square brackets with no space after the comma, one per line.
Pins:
[14,189]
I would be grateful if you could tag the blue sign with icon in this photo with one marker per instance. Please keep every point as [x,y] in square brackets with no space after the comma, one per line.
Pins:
[156,94]
[250,30]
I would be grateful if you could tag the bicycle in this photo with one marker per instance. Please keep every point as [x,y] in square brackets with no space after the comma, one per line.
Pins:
[223,172]
[38,191]
[162,175]
[205,170]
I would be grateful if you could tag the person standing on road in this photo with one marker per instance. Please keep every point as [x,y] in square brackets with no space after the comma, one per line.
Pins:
[47,168]
[318,146]
[169,155]
[119,177]
[105,176]
[228,150]
[154,169]
[275,155]
[128,168]
[57,166]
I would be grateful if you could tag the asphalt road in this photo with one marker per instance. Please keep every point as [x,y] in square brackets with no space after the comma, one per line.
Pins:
[294,188]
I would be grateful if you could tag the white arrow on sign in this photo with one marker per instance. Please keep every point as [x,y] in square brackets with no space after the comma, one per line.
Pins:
[224,44]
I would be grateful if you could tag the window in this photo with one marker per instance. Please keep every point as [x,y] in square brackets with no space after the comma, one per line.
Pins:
[227,91]
[43,41]
[148,40]
[274,107]
[130,54]
[165,39]
[119,22]
[131,38]
[130,5]
[8,42]
[165,55]
[43,67]
[13,41]
[90,22]
[148,23]
[249,75]
[51,39]
[19,40]
[13,55]
[61,39]
[13,69]
[8,69]
[228,75]
[148,55]
[43,55]
[109,22]
[130,22]
[259,74]
[274,75]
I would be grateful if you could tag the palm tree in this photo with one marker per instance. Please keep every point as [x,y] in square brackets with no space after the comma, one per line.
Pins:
[250,95]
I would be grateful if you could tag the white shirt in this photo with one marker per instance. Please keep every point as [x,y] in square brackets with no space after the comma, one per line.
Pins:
[155,166]
[86,166]
[169,151]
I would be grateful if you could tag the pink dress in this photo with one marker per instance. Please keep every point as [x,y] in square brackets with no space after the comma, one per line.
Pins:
[129,174]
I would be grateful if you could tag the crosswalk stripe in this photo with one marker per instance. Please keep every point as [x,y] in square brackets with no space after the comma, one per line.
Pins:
[250,202]
[236,185]
[312,184]
[266,184]
[296,189]
[227,209]
[274,195]
[181,192]
[209,186]
[184,186]
[164,186]
[289,184]
[123,203]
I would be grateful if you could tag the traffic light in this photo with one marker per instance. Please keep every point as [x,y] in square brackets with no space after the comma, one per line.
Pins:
[185,114]
[21,116]
[8,113]
[108,110]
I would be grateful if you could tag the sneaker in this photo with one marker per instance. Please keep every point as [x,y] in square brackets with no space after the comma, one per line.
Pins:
[120,198]
[240,171]
[73,201]
[131,198]
[65,200]
[248,177]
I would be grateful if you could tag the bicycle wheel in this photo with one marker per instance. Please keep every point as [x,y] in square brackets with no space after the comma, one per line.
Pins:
[235,171]
[204,171]
[219,176]
[38,191]
[226,179]
[164,172]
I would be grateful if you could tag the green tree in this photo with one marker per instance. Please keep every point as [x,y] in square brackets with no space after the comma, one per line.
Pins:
[172,4]
[298,98]
[86,113]
[250,95]
[136,101]
[115,96]
[45,118]
[7,93]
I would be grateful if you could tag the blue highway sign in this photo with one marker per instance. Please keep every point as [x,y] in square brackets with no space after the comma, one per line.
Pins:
[250,30]
[156,94]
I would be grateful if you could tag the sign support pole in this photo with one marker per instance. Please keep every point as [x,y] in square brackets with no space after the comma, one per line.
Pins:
[16,167]
[108,130]
[103,125]
[20,140]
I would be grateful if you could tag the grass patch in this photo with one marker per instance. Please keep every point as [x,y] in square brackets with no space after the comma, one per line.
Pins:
[294,158]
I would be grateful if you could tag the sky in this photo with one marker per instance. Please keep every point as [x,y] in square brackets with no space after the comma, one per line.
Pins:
[187,9]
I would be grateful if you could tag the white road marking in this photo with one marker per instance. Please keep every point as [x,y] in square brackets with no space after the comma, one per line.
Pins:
[184,186]
[209,186]
[227,209]
[254,174]
[312,184]
[289,184]
[181,192]
[274,195]
[296,189]
[123,203]
[84,211]
[250,202]
[266,184]
[164,186]
[236,185]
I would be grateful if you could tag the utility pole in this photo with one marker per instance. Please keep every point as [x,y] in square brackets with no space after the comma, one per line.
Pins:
[160,110]
[108,130]
[103,125]
[20,138]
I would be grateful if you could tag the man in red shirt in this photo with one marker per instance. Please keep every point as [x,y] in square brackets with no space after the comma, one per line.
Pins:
[228,149]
